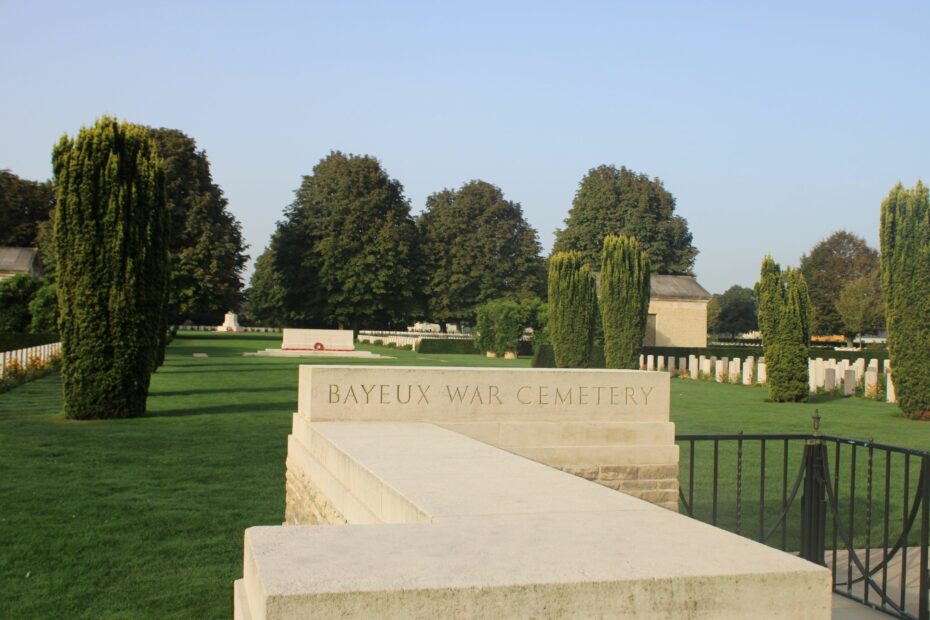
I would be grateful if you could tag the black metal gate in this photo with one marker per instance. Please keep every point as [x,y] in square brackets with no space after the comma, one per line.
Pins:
[864,508]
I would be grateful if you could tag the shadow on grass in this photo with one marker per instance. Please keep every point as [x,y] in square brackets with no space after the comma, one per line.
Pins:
[242,390]
[825,398]
[282,408]
[208,368]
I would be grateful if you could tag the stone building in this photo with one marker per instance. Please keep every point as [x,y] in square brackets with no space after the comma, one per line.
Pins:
[19,261]
[677,313]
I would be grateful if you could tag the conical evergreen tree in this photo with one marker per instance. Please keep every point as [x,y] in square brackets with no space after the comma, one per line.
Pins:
[111,265]
[572,310]
[624,300]
[905,248]
[784,319]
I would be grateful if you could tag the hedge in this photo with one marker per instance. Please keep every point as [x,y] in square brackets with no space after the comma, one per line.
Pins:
[450,346]
[12,342]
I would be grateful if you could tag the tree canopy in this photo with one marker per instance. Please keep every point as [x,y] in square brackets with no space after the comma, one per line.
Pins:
[831,265]
[612,201]
[860,305]
[346,251]
[476,246]
[205,240]
[732,312]
[24,205]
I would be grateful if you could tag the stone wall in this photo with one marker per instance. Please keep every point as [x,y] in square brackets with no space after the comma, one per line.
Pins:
[657,484]
[305,504]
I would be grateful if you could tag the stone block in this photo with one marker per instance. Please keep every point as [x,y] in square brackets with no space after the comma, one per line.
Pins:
[650,362]
[719,370]
[761,372]
[829,379]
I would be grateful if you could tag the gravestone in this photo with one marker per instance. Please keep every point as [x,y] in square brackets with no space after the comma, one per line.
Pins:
[829,380]
[660,363]
[849,382]
[719,370]
[761,372]
[748,369]
[889,387]
[650,362]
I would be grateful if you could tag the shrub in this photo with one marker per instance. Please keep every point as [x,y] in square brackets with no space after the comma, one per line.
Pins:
[378,343]
[407,347]
[624,300]
[499,326]
[905,251]
[43,310]
[572,310]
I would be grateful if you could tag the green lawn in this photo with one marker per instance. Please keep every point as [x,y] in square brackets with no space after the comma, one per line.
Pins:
[144,517]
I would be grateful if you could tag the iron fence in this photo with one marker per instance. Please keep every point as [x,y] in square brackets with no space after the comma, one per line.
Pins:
[864,507]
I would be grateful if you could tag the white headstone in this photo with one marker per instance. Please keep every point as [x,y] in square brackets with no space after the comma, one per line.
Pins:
[705,367]
[761,374]
[737,368]
[747,370]
[889,388]
[829,380]
[849,382]
[719,369]
[660,363]
[871,382]
[650,362]
[671,363]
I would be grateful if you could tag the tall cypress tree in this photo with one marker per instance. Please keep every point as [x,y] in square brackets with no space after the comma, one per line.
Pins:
[112,267]
[624,300]
[572,310]
[785,322]
[905,248]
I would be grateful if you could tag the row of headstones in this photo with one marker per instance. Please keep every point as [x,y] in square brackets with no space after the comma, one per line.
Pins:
[827,375]
[398,339]
[22,357]
[212,328]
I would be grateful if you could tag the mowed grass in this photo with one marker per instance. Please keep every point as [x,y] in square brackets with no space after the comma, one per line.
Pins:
[144,517]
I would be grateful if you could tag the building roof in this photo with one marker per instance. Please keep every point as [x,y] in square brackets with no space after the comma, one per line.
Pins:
[677,287]
[669,287]
[18,260]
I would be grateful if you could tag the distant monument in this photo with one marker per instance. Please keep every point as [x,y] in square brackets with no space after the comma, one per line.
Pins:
[317,343]
[230,323]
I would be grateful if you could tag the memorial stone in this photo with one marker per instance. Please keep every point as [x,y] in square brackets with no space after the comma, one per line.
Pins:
[889,388]
[650,362]
[660,363]
[829,380]
[748,369]
[719,370]
[849,382]
[761,375]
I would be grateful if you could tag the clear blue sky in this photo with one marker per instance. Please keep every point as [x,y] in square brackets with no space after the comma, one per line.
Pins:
[772,124]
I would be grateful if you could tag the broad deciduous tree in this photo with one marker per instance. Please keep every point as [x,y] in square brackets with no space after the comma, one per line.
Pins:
[621,202]
[476,246]
[112,267]
[732,312]
[346,252]
[206,246]
[832,263]
[24,205]
[860,305]
[905,243]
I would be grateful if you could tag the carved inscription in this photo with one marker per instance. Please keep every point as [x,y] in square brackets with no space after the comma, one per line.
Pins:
[487,395]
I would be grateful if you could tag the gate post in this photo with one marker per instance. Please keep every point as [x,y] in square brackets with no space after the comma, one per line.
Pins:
[814,501]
